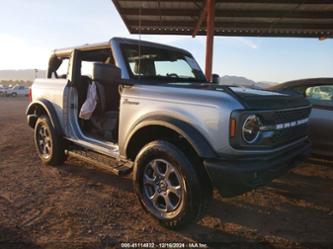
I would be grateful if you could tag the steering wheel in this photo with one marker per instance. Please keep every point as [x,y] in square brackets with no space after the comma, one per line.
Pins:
[172,75]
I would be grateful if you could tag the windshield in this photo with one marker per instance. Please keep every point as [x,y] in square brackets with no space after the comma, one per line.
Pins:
[161,64]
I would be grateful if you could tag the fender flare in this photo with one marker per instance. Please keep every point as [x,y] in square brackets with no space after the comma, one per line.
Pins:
[198,142]
[50,111]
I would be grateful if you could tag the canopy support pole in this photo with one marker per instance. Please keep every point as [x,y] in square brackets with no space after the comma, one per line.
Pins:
[203,15]
[210,38]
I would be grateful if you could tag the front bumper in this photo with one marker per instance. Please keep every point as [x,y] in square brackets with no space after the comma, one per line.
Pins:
[235,176]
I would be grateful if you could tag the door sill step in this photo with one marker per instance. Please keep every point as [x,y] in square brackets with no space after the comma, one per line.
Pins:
[110,164]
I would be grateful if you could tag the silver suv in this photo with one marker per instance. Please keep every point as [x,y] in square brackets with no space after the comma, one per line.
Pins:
[157,117]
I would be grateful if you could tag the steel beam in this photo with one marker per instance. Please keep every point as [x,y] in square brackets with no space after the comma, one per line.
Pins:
[200,20]
[229,13]
[245,32]
[236,25]
[210,38]
[315,2]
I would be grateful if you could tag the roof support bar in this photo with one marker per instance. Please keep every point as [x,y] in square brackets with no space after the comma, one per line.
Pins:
[210,38]
[200,21]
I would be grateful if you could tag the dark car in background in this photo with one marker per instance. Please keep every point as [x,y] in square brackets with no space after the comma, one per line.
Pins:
[319,91]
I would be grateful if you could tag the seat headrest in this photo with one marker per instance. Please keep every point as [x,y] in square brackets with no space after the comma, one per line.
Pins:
[145,67]
[106,72]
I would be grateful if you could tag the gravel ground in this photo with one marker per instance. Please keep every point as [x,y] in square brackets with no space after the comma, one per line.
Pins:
[77,206]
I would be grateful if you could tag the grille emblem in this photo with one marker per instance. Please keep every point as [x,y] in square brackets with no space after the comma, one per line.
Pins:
[284,125]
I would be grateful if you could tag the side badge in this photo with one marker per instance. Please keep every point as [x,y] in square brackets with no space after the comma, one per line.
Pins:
[128,102]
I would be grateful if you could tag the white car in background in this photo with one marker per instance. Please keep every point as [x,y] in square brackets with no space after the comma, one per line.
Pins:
[17,91]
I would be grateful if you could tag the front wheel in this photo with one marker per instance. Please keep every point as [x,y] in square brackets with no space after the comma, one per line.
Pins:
[48,144]
[167,185]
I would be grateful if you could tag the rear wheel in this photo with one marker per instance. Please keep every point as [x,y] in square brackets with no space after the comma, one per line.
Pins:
[167,185]
[48,144]
[14,94]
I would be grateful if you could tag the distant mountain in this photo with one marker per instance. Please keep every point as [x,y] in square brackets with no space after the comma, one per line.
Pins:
[31,74]
[242,81]
[266,84]
[26,74]
[236,80]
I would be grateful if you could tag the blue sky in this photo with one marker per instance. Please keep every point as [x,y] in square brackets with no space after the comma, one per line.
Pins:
[30,30]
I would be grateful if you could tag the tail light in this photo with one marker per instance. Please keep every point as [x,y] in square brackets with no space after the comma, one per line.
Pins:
[30,94]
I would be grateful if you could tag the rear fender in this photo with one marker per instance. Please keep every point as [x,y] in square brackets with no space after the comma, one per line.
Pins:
[40,107]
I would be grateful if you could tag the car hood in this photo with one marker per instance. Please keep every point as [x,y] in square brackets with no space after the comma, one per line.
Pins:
[261,99]
[252,98]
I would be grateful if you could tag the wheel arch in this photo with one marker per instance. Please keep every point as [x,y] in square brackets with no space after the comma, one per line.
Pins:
[42,107]
[158,127]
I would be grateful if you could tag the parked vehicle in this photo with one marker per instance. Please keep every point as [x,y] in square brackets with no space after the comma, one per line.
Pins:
[319,91]
[157,116]
[16,91]
[2,90]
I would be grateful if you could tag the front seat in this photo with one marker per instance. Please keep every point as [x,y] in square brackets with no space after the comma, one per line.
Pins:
[145,67]
[104,120]
[82,89]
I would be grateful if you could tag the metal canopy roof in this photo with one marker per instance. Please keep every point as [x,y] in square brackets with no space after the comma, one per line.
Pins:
[276,18]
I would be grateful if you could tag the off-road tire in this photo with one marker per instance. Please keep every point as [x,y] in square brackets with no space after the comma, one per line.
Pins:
[56,153]
[195,196]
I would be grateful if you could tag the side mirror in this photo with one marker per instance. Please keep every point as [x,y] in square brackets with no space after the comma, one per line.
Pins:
[215,78]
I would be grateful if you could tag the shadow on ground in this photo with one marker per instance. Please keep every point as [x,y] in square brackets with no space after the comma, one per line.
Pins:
[15,239]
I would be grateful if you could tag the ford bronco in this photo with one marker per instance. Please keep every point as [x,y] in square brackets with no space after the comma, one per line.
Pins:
[155,115]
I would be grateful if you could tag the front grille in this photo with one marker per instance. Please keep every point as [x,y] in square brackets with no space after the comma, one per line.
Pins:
[291,115]
[287,135]
[279,127]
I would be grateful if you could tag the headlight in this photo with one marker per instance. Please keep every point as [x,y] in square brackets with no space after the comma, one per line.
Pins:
[251,129]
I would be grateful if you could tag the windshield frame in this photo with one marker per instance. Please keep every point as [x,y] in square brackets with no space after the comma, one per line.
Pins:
[158,78]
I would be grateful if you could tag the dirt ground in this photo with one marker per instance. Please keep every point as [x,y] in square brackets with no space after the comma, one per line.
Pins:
[77,206]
